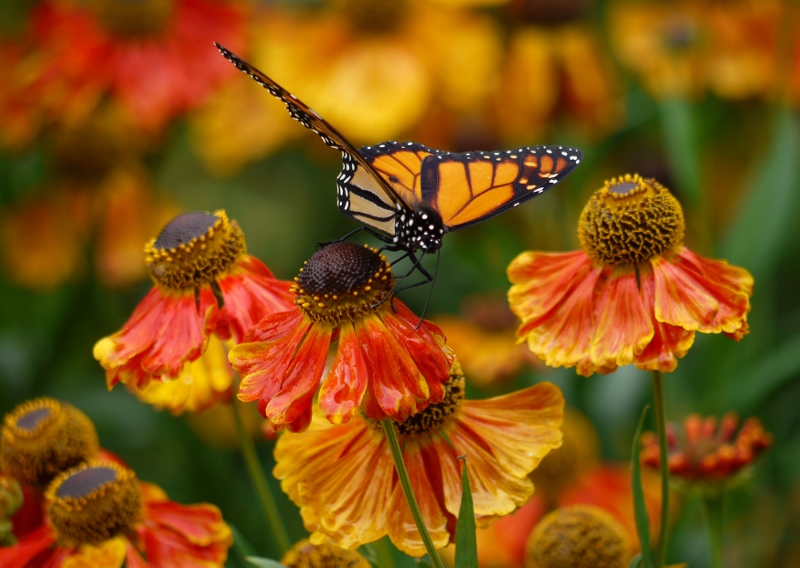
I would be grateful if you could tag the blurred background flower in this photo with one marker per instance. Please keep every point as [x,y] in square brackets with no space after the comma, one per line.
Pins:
[116,116]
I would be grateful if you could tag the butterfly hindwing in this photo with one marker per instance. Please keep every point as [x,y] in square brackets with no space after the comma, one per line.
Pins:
[470,187]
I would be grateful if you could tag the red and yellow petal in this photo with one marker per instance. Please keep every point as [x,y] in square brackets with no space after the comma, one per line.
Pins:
[623,328]
[165,331]
[504,439]
[719,271]
[250,292]
[688,299]
[108,554]
[562,337]
[343,389]
[669,342]
[542,280]
[32,545]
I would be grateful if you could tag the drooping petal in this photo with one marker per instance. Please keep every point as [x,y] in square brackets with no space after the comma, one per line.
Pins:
[562,336]
[623,326]
[690,300]
[542,280]
[669,342]
[250,292]
[27,548]
[344,387]
[720,271]
[504,439]
[341,477]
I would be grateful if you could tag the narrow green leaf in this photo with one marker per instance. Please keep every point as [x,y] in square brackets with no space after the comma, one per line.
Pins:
[466,544]
[680,140]
[636,562]
[241,545]
[264,562]
[639,509]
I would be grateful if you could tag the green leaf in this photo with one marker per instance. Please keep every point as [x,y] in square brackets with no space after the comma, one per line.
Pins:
[264,562]
[770,209]
[241,545]
[466,544]
[681,144]
[636,562]
[639,509]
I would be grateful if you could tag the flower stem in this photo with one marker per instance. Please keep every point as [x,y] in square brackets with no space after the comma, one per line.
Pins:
[405,483]
[714,513]
[259,481]
[663,461]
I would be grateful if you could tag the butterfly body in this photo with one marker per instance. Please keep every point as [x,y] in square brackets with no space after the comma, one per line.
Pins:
[413,194]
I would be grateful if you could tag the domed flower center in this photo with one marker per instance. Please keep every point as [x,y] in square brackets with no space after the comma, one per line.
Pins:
[323,555]
[580,536]
[194,249]
[549,12]
[93,502]
[436,416]
[342,281]
[369,16]
[42,437]
[133,17]
[629,221]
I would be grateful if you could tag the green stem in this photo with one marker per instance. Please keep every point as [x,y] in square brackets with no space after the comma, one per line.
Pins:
[259,481]
[408,491]
[715,517]
[663,461]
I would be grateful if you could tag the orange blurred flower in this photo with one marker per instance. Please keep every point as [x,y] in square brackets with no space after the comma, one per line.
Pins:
[120,520]
[688,48]
[707,450]
[634,294]
[360,500]
[155,57]
[387,362]
[194,256]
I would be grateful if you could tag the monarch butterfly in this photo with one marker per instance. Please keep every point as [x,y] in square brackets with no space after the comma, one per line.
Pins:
[414,194]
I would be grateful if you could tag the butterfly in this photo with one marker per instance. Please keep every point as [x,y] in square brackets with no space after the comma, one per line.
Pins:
[413,195]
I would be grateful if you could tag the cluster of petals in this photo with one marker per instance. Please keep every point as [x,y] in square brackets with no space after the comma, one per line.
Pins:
[387,362]
[169,534]
[707,449]
[343,477]
[579,313]
[170,328]
[156,74]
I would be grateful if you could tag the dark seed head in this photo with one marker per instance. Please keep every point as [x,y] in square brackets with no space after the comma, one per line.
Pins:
[339,268]
[183,228]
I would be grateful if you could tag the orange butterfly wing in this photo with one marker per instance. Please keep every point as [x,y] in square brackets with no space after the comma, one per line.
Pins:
[471,187]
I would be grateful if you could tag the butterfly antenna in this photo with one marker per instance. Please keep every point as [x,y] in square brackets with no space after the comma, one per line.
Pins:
[339,240]
[430,292]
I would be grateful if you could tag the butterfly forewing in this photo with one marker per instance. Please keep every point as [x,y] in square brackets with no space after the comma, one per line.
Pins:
[471,187]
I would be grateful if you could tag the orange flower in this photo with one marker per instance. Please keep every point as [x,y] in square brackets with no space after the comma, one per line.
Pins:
[634,294]
[388,361]
[120,520]
[360,499]
[706,450]
[155,57]
[195,255]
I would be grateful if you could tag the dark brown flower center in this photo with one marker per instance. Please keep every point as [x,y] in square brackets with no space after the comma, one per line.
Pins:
[304,554]
[371,16]
[194,249]
[133,17]
[342,281]
[548,12]
[42,437]
[630,221]
[93,502]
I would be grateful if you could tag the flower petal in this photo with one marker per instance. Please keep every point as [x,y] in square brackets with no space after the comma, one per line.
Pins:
[344,387]
[687,299]
[541,280]
[623,326]
[720,272]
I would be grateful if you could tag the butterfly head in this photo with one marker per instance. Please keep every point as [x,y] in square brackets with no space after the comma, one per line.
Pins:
[420,228]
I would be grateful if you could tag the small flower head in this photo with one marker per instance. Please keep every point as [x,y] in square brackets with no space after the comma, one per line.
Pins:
[304,554]
[634,294]
[707,450]
[580,536]
[43,437]
[387,362]
[92,502]
[196,258]
[358,499]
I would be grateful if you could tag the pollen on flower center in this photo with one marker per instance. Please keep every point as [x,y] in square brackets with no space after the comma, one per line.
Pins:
[194,248]
[629,221]
[341,281]
[138,18]
[92,502]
